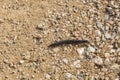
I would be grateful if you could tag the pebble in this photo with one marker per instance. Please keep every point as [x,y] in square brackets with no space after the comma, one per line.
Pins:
[91,49]
[98,39]
[40,26]
[107,61]
[115,67]
[65,61]
[56,50]
[106,28]
[47,76]
[106,17]
[117,78]
[1,20]
[69,75]
[6,61]
[80,76]
[26,55]
[107,35]
[98,60]
[21,61]
[99,25]
[118,50]
[89,26]
[112,51]
[97,33]
[76,64]
[80,51]
[103,38]
[107,55]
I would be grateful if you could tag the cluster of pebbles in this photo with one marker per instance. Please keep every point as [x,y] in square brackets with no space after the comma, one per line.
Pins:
[99,23]
[94,20]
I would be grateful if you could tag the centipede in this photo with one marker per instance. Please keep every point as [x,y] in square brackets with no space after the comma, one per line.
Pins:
[66,42]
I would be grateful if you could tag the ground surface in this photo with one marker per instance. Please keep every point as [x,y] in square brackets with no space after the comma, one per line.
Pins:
[27,27]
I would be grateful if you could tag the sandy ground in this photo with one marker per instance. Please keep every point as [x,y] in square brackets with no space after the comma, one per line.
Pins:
[28,27]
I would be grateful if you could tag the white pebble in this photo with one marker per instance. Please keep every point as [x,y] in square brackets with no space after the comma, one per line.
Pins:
[112,51]
[106,17]
[21,61]
[97,33]
[103,38]
[98,39]
[107,35]
[98,60]
[47,76]
[91,49]
[99,25]
[89,26]
[65,61]
[77,64]
[56,50]
[117,78]
[107,55]
[69,75]
[107,61]
[6,61]
[80,51]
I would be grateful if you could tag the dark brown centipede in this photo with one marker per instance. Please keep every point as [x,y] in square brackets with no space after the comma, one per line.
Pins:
[68,42]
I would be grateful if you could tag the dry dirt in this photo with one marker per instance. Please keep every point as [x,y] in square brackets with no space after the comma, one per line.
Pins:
[28,27]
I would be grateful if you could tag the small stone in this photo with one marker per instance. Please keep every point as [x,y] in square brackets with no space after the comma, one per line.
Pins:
[107,55]
[6,61]
[1,20]
[80,51]
[65,61]
[97,33]
[106,17]
[77,64]
[112,51]
[118,51]
[103,38]
[69,75]
[47,76]
[56,50]
[91,49]
[33,76]
[89,26]
[75,9]
[80,76]
[106,28]
[40,26]
[115,67]
[26,55]
[107,35]
[98,39]
[117,78]
[98,60]
[107,61]
[99,25]
[21,61]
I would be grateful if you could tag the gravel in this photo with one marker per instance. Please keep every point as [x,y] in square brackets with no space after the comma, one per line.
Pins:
[28,27]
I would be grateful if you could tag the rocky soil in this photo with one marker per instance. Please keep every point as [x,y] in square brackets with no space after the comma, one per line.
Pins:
[28,27]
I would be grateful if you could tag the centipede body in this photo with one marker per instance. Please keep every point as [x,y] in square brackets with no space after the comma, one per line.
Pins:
[68,42]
